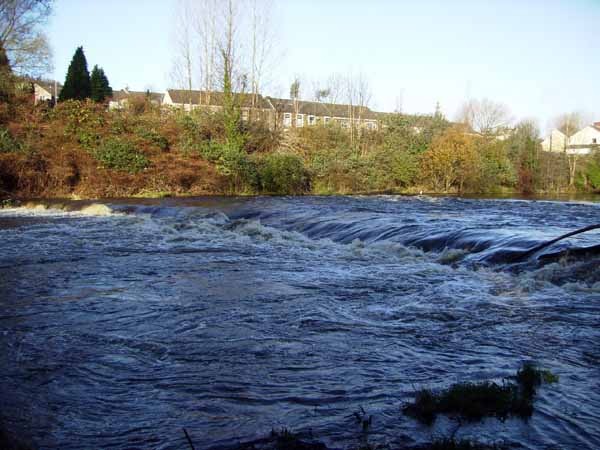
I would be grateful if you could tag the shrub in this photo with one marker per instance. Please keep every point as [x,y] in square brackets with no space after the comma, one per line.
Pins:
[153,137]
[281,173]
[77,115]
[120,155]
[7,142]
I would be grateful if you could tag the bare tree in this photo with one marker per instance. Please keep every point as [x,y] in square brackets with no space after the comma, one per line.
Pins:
[263,47]
[182,72]
[485,116]
[22,39]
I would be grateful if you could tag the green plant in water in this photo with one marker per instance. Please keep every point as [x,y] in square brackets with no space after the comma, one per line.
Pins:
[120,155]
[475,401]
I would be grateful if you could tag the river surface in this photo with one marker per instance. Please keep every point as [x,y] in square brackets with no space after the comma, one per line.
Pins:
[123,322]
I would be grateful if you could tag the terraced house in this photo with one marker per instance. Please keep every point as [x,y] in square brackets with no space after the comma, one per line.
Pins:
[278,112]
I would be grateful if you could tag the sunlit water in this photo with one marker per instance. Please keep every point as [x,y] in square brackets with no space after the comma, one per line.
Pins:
[120,326]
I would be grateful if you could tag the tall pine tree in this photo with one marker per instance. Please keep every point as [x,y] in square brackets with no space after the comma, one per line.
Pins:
[101,89]
[77,84]
[6,79]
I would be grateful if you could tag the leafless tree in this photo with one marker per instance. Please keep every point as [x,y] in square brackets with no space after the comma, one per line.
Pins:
[22,38]
[485,116]
[182,72]
[263,50]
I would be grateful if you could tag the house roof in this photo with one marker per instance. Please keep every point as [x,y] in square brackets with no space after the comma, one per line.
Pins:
[596,125]
[124,94]
[320,109]
[48,85]
[215,98]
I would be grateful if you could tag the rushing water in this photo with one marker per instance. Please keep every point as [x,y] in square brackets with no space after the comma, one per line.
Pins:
[121,325]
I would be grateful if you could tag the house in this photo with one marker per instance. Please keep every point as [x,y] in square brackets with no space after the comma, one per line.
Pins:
[45,91]
[556,142]
[584,142]
[252,106]
[293,113]
[277,112]
[120,99]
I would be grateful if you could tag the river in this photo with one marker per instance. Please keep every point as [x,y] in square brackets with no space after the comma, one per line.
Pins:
[122,322]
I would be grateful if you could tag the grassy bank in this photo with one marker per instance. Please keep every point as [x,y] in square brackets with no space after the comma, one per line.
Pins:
[81,150]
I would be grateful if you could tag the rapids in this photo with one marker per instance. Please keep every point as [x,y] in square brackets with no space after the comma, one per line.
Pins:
[122,322]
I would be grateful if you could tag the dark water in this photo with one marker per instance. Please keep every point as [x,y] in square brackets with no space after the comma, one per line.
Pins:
[230,317]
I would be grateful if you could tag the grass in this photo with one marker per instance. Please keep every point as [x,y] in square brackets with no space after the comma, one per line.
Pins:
[476,401]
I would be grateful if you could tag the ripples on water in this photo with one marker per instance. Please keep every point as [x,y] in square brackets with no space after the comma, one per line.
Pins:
[230,317]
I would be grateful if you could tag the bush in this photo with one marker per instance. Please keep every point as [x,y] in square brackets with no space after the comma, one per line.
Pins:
[7,142]
[77,115]
[153,137]
[283,174]
[120,155]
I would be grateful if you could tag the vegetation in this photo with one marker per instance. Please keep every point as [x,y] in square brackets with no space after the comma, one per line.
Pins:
[475,401]
[80,148]
[100,89]
[77,84]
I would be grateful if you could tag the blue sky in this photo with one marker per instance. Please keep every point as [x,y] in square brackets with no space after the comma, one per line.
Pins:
[540,57]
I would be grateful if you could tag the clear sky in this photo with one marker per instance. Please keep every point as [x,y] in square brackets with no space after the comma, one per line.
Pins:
[540,57]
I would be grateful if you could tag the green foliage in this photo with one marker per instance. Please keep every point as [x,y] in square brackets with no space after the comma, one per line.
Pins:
[79,115]
[77,83]
[592,171]
[152,136]
[100,89]
[283,174]
[118,154]
[7,142]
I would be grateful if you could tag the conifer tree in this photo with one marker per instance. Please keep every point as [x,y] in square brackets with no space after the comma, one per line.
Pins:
[77,83]
[108,92]
[100,86]
[6,78]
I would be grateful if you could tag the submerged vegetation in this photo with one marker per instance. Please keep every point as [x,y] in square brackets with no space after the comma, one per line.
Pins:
[476,401]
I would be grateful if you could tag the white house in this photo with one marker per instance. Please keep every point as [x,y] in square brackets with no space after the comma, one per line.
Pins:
[583,142]
[556,142]
[46,91]
[120,99]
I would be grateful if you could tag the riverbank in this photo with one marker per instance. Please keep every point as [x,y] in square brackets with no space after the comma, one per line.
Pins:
[81,150]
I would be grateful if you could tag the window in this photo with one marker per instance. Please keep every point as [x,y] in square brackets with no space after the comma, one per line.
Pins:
[287,120]
[299,120]
[594,141]
[327,119]
[245,114]
[311,120]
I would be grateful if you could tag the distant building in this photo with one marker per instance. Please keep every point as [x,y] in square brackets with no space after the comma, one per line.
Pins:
[46,91]
[120,99]
[584,142]
[556,142]
[278,112]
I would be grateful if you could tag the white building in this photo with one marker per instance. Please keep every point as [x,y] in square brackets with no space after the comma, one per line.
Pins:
[583,142]
[556,142]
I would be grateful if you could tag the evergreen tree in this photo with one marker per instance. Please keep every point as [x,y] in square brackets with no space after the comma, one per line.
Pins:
[108,92]
[101,89]
[6,79]
[77,83]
